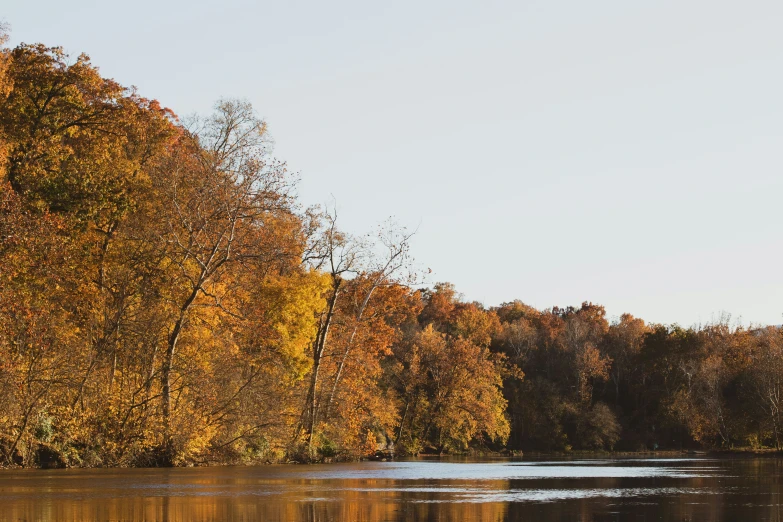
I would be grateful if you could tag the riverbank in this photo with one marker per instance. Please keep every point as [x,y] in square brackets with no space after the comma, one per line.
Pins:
[467,456]
[581,454]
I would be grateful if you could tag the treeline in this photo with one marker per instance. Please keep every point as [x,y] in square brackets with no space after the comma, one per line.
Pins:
[165,300]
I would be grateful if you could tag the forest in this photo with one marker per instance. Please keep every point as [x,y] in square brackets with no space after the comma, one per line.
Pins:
[165,299]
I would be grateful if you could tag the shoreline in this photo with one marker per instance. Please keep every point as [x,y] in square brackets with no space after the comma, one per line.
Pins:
[532,455]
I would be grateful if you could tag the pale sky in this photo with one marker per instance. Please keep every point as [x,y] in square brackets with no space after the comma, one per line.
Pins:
[627,153]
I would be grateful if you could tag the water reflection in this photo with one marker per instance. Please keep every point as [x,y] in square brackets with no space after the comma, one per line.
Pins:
[623,489]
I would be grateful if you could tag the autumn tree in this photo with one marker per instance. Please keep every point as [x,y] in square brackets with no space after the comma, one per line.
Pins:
[365,274]
[452,393]
[77,142]
[623,342]
[225,208]
[449,381]
[339,256]
[76,147]
[34,328]
[709,371]
[766,378]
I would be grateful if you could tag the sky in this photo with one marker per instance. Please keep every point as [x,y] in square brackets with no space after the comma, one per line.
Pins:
[560,151]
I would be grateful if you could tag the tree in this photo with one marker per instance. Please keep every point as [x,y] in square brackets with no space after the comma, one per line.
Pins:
[224,207]
[623,343]
[766,378]
[359,270]
[339,255]
[582,334]
[33,322]
[76,142]
[453,389]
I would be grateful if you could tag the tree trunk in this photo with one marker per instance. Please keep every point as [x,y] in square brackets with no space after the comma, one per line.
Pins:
[168,364]
[319,346]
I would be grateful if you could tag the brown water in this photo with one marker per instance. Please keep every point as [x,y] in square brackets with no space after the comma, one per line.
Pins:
[741,489]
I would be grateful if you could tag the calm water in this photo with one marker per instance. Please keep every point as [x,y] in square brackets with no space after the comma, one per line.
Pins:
[741,489]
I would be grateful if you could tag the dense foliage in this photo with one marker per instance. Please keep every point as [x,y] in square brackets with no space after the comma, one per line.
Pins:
[165,300]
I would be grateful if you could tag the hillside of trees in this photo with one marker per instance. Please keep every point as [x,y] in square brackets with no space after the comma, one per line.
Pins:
[166,300]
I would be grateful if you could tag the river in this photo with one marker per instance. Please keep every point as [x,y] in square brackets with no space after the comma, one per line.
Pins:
[634,489]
